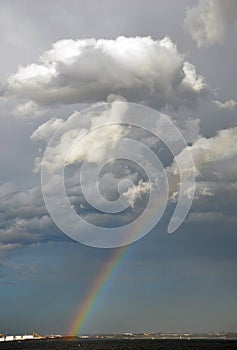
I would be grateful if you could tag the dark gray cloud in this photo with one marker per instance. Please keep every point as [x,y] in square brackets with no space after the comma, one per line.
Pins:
[24,219]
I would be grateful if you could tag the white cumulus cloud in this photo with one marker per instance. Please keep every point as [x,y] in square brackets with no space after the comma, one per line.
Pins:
[46,130]
[230,104]
[88,70]
[208,21]
[212,151]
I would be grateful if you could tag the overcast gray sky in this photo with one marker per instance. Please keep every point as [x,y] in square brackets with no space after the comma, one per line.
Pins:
[58,57]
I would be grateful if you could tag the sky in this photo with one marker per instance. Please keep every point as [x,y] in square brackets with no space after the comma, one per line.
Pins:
[128,110]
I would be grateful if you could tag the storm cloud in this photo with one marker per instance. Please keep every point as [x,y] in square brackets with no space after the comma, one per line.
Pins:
[60,57]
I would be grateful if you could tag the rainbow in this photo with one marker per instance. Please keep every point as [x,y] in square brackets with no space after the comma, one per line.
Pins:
[101,281]
[97,289]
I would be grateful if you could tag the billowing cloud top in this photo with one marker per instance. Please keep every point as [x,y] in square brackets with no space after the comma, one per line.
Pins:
[209,20]
[140,69]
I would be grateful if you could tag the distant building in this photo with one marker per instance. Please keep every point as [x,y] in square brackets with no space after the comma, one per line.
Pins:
[9,338]
[19,337]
